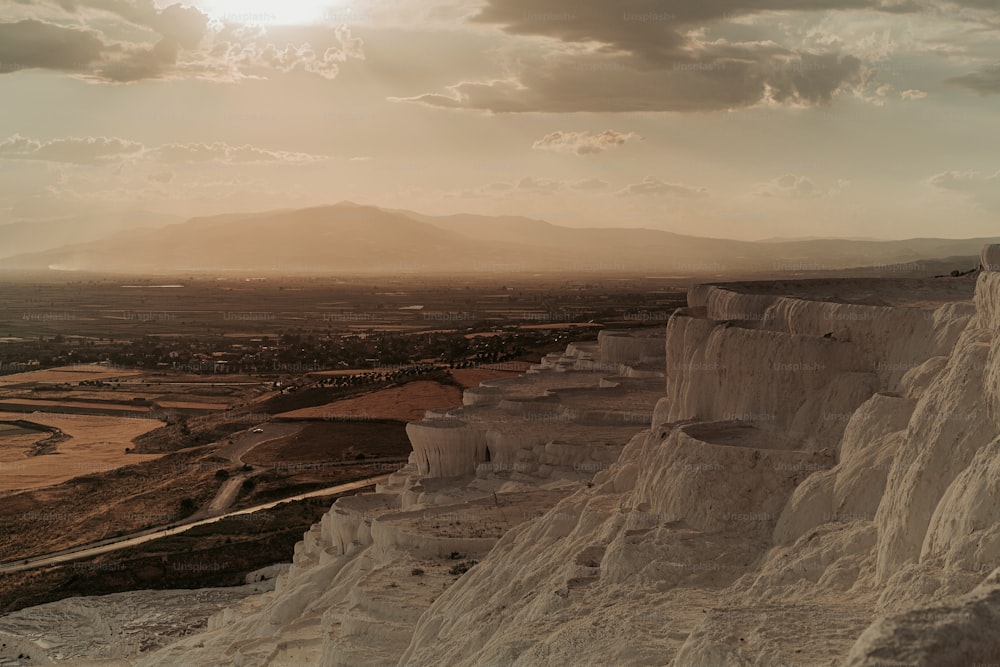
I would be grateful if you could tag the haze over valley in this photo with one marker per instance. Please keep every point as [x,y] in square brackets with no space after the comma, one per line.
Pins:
[499,333]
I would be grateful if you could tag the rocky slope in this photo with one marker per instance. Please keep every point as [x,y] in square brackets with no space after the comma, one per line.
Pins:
[800,473]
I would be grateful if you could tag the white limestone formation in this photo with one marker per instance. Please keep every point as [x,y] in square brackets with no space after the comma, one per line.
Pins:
[991,258]
[809,477]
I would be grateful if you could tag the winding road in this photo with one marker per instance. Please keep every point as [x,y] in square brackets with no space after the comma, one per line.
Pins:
[135,539]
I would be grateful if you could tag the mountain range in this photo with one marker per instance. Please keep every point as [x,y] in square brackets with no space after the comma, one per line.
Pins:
[348,238]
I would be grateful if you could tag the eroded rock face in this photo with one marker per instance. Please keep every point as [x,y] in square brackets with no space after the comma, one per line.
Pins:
[810,478]
[991,258]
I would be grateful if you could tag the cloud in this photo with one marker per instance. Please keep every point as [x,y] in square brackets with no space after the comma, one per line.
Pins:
[622,83]
[789,186]
[141,63]
[120,51]
[236,59]
[583,143]
[913,94]
[222,152]
[123,41]
[652,28]
[651,186]
[979,187]
[985,82]
[36,44]
[646,55]
[101,150]
[85,150]
[964,181]
[590,184]
[793,186]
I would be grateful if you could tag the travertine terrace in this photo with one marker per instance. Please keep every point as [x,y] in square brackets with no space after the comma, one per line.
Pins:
[790,474]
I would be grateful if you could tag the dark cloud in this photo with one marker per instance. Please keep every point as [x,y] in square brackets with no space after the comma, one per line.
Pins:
[142,63]
[655,29]
[985,82]
[988,5]
[31,43]
[177,23]
[157,43]
[616,83]
[651,55]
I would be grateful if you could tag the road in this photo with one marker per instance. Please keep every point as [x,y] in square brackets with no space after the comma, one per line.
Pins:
[126,541]
[229,490]
[248,439]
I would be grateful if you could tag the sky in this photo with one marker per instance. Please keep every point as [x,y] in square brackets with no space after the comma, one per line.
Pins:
[744,119]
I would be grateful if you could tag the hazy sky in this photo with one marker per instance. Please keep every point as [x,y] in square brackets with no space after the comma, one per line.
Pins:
[737,118]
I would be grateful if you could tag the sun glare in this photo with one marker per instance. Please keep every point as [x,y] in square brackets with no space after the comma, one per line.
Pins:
[277,12]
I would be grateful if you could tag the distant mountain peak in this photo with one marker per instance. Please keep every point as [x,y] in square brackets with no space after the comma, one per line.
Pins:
[348,238]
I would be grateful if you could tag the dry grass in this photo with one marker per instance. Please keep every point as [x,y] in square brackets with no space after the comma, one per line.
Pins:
[96,506]
[406,403]
[471,377]
[95,444]
[66,374]
[41,403]
[320,442]
[180,405]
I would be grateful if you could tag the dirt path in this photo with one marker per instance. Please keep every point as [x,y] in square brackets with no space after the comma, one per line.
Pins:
[248,440]
[126,541]
[226,495]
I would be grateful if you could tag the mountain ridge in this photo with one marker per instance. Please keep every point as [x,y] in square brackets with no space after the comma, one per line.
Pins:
[355,238]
